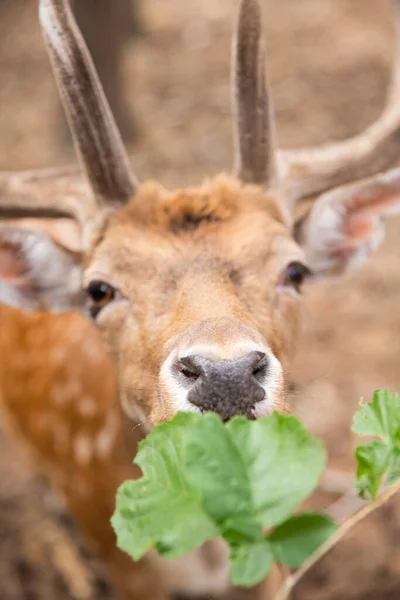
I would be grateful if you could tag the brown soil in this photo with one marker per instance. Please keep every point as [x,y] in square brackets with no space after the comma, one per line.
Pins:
[329,63]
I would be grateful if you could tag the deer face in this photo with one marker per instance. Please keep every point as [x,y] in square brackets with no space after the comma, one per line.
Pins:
[198,294]
[197,291]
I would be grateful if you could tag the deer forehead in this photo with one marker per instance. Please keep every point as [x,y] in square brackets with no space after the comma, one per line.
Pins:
[221,225]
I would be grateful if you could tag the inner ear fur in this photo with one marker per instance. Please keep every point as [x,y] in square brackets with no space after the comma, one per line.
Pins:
[340,228]
[40,264]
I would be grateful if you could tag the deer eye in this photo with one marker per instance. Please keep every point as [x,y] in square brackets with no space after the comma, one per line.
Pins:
[294,275]
[100,294]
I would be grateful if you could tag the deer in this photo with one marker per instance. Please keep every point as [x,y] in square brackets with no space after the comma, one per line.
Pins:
[196,292]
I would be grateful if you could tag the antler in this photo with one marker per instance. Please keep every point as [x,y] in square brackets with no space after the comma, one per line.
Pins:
[254,125]
[313,170]
[96,137]
[305,172]
[300,173]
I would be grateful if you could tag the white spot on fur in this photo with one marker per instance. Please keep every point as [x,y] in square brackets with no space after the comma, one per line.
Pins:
[105,439]
[64,393]
[87,406]
[83,449]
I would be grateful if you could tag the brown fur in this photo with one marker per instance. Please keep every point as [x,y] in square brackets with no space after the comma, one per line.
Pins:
[57,406]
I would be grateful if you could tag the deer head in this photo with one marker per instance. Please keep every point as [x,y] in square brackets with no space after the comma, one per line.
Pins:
[197,291]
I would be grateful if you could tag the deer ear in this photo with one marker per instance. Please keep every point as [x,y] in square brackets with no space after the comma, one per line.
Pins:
[40,264]
[345,225]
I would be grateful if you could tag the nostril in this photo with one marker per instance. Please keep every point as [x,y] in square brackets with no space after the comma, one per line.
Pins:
[188,373]
[260,367]
[188,368]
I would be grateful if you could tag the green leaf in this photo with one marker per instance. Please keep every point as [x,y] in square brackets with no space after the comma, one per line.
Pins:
[372,462]
[299,537]
[378,459]
[284,463]
[242,529]
[250,563]
[203,479]
[394,467]
[380,418]
[162,508]
[216,467]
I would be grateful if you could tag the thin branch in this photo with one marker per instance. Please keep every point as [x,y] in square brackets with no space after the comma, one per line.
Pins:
[288,586]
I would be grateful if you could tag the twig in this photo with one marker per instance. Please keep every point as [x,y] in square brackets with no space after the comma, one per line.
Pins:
[289,584]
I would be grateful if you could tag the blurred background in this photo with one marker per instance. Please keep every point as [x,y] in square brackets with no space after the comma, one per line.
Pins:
[165,67]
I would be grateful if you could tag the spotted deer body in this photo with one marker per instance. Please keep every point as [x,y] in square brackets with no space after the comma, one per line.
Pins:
[196,291]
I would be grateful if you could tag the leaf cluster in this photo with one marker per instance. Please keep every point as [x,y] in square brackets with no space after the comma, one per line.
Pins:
[379,460]
[241,480]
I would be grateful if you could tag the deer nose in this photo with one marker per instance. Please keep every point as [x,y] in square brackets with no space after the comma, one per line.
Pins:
[226,387]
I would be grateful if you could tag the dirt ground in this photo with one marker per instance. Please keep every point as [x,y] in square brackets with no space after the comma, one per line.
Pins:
[329,62]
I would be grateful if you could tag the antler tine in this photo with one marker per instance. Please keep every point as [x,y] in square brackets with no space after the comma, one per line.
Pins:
[313,170]
[254,134]
[96,137]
